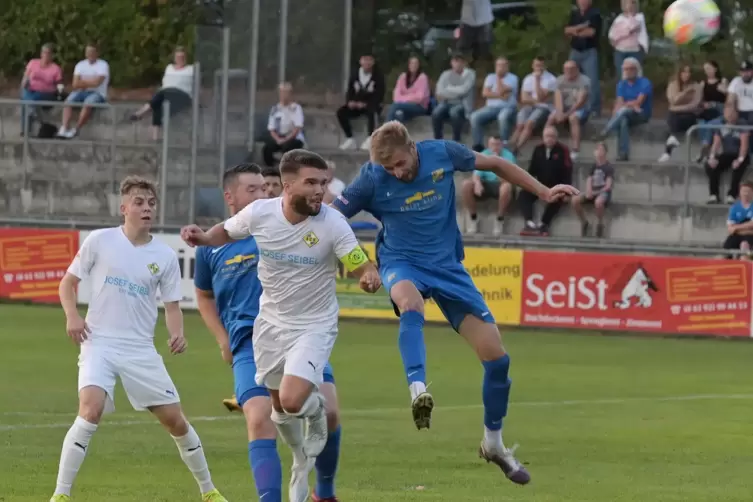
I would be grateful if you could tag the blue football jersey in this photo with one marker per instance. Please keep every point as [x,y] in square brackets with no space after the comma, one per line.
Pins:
[738,213]
[418,217]
[230,272]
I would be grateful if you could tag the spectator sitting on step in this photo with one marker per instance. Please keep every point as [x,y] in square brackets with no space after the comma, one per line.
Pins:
[598,191]
[364,97]
[536,103]
[551,165]
[632,107]
[486,185]
[740,222]
[335,186]
[712,105]
[43,80]
[740,93]
[454,94]
[272,182]
[285,125]
[684,97]
[91,77]
[628,34]
[411,95]
[177,89]
[730,149]
[571,103]
[501,93]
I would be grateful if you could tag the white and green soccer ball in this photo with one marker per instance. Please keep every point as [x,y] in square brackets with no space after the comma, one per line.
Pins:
[691,21]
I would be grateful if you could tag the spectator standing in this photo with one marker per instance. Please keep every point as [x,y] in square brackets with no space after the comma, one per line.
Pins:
[486,185]
[501,93]
[712,105]
[551,165]
[411,95]
[740,222]
[598,191]
[684,97]
[364,97]
[740,93]
[730,149]
[335,186]
[475,36]
[285,125]
[571,103]
[177,89]
[632,107]
[43,80]
[536,103]
[272,182]
[454,95]
[584,30]
[91,78]
[628,35]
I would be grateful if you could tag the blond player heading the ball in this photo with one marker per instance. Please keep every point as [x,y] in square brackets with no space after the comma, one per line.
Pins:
[125,267]
[298,239]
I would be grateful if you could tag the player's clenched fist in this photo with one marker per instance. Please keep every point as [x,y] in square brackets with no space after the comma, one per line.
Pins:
[193,235]
[77,329]
[370,281]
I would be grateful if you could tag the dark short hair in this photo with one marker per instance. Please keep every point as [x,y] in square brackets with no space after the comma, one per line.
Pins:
[231,174]
[539,58]
[747,183]
[292,161]
[495,136]
[271,171]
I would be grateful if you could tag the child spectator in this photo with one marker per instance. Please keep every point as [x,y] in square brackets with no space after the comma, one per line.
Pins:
[599,185]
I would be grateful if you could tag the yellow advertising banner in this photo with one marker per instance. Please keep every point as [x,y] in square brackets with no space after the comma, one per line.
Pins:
[497,273]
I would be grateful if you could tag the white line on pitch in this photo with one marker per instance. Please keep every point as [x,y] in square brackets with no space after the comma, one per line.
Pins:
[378,411]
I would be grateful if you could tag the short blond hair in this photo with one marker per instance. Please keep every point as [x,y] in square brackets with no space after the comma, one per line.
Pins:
[389,137]
[131,183]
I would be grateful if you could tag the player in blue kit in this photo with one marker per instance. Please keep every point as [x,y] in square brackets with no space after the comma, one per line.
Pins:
[410,188]
[228,292]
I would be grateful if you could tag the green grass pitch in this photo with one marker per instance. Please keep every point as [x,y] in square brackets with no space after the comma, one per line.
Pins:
[598,419]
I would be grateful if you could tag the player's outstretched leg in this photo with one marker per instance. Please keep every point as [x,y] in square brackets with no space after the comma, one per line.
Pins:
[263,456]
[91,406]
[485,339]
[410,304]
[190,448]
[328,459]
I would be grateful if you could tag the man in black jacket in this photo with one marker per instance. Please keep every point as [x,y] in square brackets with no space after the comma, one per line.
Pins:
[551,165]
[364,97]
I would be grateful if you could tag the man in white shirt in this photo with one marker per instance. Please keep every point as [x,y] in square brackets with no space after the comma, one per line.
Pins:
[536,103]
[298,238]
[126,267]
[335,186]
[91,77]
[285,126]
[740,93]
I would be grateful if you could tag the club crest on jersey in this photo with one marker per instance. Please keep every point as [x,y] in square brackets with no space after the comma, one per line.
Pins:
[311,239]
[153,268]
[437,175]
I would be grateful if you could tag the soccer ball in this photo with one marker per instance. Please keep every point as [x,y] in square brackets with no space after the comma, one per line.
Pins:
[691,21]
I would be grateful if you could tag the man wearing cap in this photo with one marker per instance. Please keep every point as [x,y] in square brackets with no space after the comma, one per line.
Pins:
[740,93]
[454,95]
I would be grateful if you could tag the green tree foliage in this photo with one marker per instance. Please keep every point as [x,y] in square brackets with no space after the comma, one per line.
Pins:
[135,36]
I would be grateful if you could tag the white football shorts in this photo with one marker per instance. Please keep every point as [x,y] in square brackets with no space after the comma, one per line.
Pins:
[298,352]
[142,373]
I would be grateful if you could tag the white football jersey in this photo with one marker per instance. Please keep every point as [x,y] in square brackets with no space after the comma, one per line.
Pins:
[124,281]
[297,264]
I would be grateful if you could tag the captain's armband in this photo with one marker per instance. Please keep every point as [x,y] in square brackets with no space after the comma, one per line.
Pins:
[354,259]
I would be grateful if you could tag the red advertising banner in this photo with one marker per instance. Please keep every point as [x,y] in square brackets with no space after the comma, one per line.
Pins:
[33,261]
[636,293]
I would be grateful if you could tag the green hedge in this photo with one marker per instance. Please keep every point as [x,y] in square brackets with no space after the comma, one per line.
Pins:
[136,37]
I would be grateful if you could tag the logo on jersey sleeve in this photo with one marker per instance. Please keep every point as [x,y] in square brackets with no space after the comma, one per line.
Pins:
[437,175]
[311,239]
[153,268]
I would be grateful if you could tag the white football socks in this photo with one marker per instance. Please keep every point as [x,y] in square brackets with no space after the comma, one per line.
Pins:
[416,389]
[75,444]
[192,454]
[493,439]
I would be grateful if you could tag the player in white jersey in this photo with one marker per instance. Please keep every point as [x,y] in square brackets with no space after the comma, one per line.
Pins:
[125,267]
[299,240]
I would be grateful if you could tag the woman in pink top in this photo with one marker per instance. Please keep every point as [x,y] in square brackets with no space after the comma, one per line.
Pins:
[628,34]
[411,95]
[41,80]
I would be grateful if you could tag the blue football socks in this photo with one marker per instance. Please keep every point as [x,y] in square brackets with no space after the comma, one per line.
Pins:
[412,347]
[266,468]
[326,465]
[496,391]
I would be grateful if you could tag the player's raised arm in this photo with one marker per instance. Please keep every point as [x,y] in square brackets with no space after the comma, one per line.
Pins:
[354,258]
[237,227]
[170,291]
[358,195]
[205,301]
